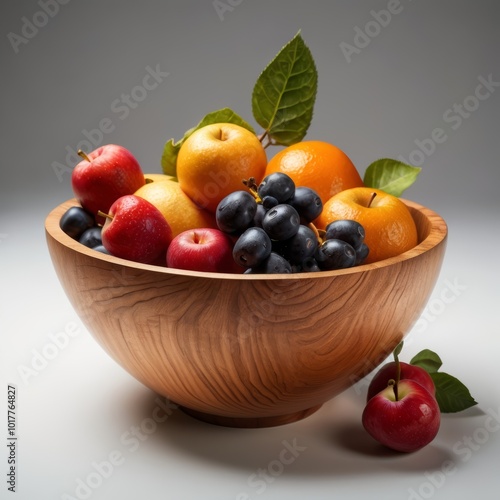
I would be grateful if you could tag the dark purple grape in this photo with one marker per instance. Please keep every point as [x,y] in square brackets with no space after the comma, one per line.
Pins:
[91,237]
[281,222]
[102,249]
[252,247]
[300,246]
[310,266]
[75,221]
[350,231]
[307,203]
[274,264]
[362,253]
[269,202]
[335,254]
[235,212]
[278,185]
[259,215]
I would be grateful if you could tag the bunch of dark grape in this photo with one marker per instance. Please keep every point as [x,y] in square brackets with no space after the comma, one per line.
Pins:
[273,225]
[82,227]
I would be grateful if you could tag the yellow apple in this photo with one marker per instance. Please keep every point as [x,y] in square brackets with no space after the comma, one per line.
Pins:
[389,226]
[215,159]
[179,210]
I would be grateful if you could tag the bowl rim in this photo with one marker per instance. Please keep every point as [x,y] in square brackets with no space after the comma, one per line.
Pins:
[437,234]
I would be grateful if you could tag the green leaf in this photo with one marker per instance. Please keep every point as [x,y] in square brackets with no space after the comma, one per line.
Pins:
[169,157]
[284,94]
[172,148]
[391,176]
[428,360]
[451,395]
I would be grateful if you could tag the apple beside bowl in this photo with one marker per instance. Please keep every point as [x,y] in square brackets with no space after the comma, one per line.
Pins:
[248,350]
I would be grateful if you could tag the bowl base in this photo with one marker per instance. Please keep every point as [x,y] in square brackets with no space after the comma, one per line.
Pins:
[253,422]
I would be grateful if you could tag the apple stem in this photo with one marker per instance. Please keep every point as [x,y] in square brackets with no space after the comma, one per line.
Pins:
[394,385]
[372,197]
[398,373]
[83,155]
[102,214]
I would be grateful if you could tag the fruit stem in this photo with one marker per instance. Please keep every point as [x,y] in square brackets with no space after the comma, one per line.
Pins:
[262,136]
[269,141]
[83,155]
[398,374]
[252,186]
[106,216]
[319,233]
[394,385]
[372,197]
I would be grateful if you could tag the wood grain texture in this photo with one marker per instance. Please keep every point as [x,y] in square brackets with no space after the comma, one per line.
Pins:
[248,350]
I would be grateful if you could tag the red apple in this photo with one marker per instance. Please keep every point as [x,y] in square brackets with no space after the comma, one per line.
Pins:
[103,176]
[404,417]
[204,249]
[135,229]
[407,371]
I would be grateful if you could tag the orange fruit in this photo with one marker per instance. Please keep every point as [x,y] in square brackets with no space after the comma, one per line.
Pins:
[178,209]
[389,227]
[318,165]
[215,159]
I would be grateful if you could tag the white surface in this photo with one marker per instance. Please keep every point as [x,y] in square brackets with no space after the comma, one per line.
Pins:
[81,407]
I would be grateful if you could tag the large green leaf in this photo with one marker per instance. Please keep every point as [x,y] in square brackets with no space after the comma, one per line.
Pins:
[428,360]
[284,94]
[172,148]
[391,176]
[451,395]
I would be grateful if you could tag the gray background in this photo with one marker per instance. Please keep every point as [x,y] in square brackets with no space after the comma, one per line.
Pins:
[396,91]
[393,92]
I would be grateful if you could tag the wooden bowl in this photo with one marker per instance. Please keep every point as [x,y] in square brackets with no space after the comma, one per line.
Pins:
[248,350]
